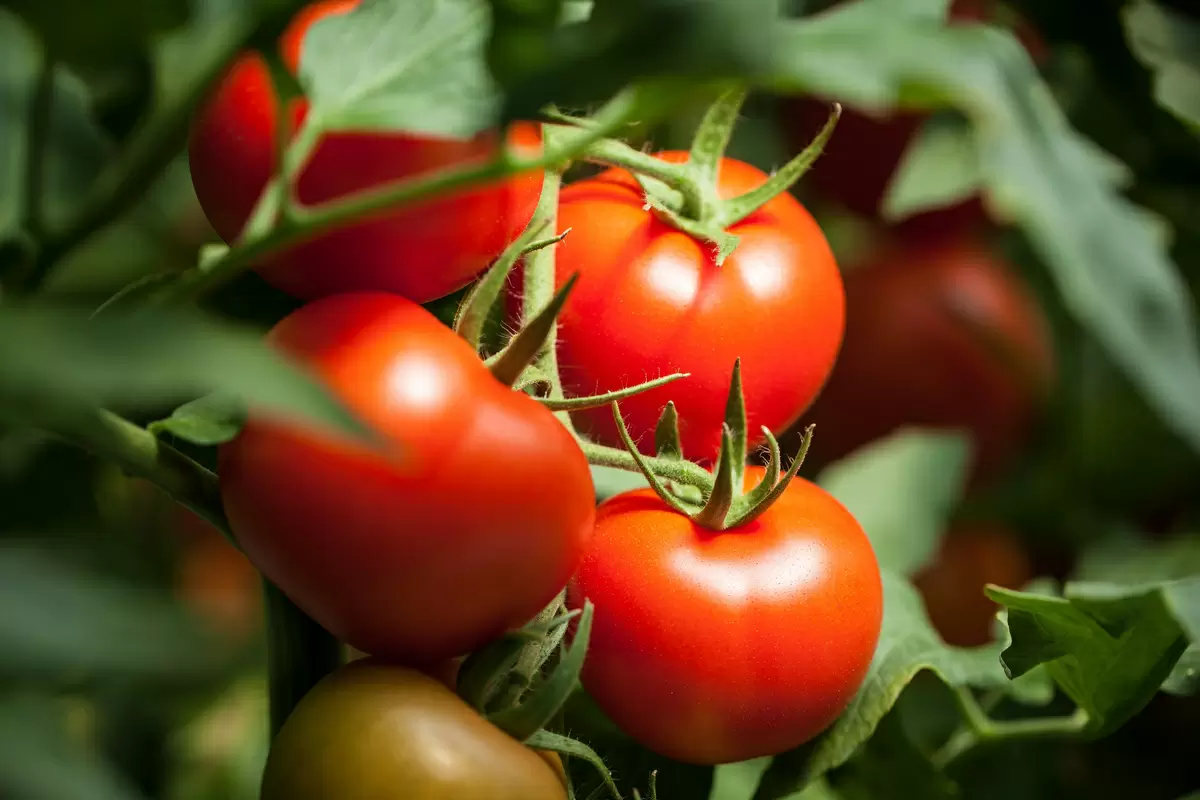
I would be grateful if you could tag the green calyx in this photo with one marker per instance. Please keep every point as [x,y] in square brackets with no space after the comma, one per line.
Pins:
[686,195]
[723,503]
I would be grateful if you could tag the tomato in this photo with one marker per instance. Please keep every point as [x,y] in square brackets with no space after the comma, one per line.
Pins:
[857,165]
[651,301]
[714,647]
[421,252]
[370,730]
[464,523]
[215,579]
[971,557]
[939,334]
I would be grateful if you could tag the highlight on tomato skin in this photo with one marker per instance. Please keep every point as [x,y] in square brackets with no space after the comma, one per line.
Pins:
[940,333]
[651,300]
[714,647]
[421,252]
[441,537]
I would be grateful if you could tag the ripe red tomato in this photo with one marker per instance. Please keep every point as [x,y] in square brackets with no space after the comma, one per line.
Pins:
[712,647]
[857,165]
[466,523]
[372,730]
[971,557]
[421,252]
[651,301]
[939,334]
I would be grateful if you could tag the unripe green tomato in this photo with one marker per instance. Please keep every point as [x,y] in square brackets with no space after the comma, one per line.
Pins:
[372,731]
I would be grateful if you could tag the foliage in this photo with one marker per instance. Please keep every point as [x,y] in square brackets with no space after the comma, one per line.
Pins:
[114,299]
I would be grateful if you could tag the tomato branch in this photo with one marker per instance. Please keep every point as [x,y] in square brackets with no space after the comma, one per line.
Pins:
[310,222]
[980,729]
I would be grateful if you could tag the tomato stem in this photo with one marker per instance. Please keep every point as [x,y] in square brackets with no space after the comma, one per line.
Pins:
[708,148]
[299,654]
[981,729]
[598,400]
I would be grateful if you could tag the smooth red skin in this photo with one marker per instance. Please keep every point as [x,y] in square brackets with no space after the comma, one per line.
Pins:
[911,359]
[421,252]
[651,301]
[857,165]
[717,647]
[971,556]
[464,524]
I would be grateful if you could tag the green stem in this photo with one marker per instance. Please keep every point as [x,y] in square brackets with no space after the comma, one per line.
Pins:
[310,222]
[708,148]
[299,654]
[671,469]
[152,148]
[980,729]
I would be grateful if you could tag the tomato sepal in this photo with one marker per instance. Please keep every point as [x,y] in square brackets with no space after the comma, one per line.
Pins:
[573,748]
[524,348]
[483,673]
[666,434]
[547,699]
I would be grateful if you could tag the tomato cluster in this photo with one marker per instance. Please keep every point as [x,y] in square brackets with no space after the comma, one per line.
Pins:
[715,638]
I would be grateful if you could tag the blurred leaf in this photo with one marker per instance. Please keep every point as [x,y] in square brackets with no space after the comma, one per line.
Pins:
[74,146]
[739,780]
[184,58]
[1184,679]
[902,489]
[211,420]
[622,41]
[87,32]
[51,356]
[1168,42]
[1127,559]
[1107,260]
[891,767]
[416,65]
[1109,647]
[908,645]
[38,759]
[940,168]
[62,624]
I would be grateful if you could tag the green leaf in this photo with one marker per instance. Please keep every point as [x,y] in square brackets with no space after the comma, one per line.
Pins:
[1109,647]
[414,65]
[1107,260]
[890,766]
[610,481]
[56,357]
[1128,559]
[75,148]
[1168,42]
[738,781]
[38,758]
[902,489]
[86,33]
[907,646]
[211,420]
[63,624]
[940,168]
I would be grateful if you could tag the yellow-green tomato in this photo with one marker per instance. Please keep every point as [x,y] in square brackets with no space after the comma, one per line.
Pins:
[371,731]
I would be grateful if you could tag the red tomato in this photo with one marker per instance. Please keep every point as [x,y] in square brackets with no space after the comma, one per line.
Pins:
[651,301]
[938,334]
[714,647]
[466,523]
[421,252]
[215,579]
[857,165]
[971,557]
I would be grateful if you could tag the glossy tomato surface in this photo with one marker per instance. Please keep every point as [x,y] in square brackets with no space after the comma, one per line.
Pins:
[716,647]
[373,731]
[971,556]
[422,252]
[939,334]
[465,522]
[651,301]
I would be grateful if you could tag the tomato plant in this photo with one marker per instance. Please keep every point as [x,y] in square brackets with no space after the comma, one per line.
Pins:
[370,729]
[711,647]
[971,557]
[651,300]
[940,333]
[380,544]
[215,579]
[422,252]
